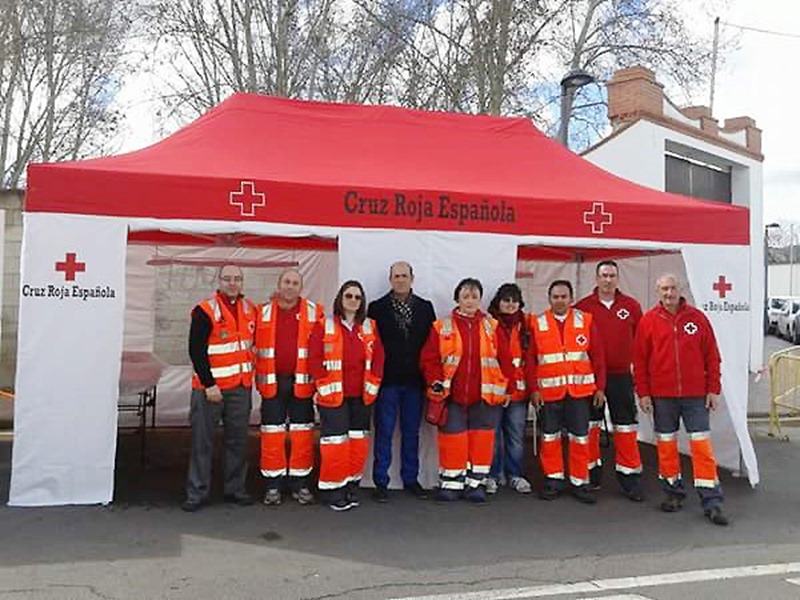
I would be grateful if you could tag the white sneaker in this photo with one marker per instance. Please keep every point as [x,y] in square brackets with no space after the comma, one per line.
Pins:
[521,485]
[491,485]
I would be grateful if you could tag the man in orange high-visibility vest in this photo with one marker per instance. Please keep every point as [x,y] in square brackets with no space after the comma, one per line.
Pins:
[283,328]
[568,371]
[220,347]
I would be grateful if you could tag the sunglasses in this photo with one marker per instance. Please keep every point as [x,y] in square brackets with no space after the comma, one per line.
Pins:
[352,296]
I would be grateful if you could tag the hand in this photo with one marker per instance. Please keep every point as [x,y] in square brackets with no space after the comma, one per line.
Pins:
[214,394]
[712,401]
[599,399]
[507,401]
[536,399]
[646,404]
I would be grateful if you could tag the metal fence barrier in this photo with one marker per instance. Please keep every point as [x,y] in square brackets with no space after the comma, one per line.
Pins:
[784,388]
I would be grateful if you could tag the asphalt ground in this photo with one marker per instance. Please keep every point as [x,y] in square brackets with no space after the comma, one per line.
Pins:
[144,546]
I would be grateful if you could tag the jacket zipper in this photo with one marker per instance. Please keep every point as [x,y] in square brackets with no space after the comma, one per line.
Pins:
[677,356]
[469,362]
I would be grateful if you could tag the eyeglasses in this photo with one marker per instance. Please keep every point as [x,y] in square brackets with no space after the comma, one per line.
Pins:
[352,296]
[236,279]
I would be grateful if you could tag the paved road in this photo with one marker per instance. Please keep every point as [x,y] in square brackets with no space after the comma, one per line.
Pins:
[143,546]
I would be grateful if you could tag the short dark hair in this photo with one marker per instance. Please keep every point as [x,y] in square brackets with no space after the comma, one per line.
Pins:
[567,284]
[468,282]
[338,308]
[606,263]
[507,290]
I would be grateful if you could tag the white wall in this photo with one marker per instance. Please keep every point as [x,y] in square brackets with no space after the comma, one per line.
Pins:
[637,154]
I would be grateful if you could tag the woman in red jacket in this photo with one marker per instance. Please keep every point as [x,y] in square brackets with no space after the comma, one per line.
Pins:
[514,337]
[460,365]
[346,362]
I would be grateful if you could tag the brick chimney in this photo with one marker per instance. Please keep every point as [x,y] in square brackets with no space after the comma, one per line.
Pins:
[633,92]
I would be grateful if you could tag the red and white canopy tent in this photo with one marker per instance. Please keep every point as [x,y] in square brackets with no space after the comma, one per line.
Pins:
[458,195]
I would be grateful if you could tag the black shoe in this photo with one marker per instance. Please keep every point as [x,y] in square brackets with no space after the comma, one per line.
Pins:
[672,504]
[476,495]
[716,516]
[380,494]
[352,498]
[549,493]
[239,499]
[583,495]
[416,490]
[633,495]
[593,486]
[191,505]
[342,505]
[443,495]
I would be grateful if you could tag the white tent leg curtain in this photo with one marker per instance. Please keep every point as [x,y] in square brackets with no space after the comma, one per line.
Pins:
[68,363]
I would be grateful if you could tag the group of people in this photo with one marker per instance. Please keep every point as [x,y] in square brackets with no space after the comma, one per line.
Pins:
[472,374]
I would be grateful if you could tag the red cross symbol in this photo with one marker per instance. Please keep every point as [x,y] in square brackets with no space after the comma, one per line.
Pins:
[598,218]
[247,199]
[690,328]
[70,266]
[722,287]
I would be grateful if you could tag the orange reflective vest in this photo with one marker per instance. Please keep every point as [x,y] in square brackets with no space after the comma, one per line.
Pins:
[517,386]
[563,365]
[309,314]
[230,345]
[330,389]
[451,349]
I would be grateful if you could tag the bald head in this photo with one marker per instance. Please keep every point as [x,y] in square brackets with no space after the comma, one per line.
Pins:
[669,291]
[401,278]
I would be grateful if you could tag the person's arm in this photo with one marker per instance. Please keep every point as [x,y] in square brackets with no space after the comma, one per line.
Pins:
[597,355]
[712,360]
[641,360]
[378,356]
[430,362]
[199,332]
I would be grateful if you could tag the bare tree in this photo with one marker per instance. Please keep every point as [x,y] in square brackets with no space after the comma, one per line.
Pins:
[58,76]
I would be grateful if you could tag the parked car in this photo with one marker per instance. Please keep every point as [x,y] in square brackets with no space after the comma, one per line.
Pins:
[775,306]
[787,325]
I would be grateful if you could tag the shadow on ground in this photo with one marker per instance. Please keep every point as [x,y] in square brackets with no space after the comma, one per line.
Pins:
[145,520]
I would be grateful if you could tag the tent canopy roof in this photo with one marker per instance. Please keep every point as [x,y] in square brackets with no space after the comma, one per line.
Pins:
[259,158]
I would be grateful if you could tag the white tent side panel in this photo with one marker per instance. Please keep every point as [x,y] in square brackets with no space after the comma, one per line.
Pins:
[72,305]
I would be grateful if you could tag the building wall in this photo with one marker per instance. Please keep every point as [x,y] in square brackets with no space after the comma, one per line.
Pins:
[11,204]
[637,153]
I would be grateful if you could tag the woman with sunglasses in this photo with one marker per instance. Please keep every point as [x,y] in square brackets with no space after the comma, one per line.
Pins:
[514,336]
[461,365]
[346,362]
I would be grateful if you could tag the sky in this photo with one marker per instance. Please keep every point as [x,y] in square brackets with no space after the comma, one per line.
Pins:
[758,80]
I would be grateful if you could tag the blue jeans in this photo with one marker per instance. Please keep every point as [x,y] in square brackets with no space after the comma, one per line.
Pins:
[667,413]
[405,401]
[508,441]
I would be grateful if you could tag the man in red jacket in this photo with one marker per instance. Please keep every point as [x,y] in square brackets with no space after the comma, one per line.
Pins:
[677,375]
[616,316]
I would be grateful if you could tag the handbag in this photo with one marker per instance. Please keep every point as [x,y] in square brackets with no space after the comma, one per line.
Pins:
[436,413]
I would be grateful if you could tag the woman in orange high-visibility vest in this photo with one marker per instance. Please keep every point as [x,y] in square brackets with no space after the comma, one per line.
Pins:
[461,365]
[513,334]
[346,362]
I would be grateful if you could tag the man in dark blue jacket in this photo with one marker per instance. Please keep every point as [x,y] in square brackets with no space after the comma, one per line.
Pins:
[404,321]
